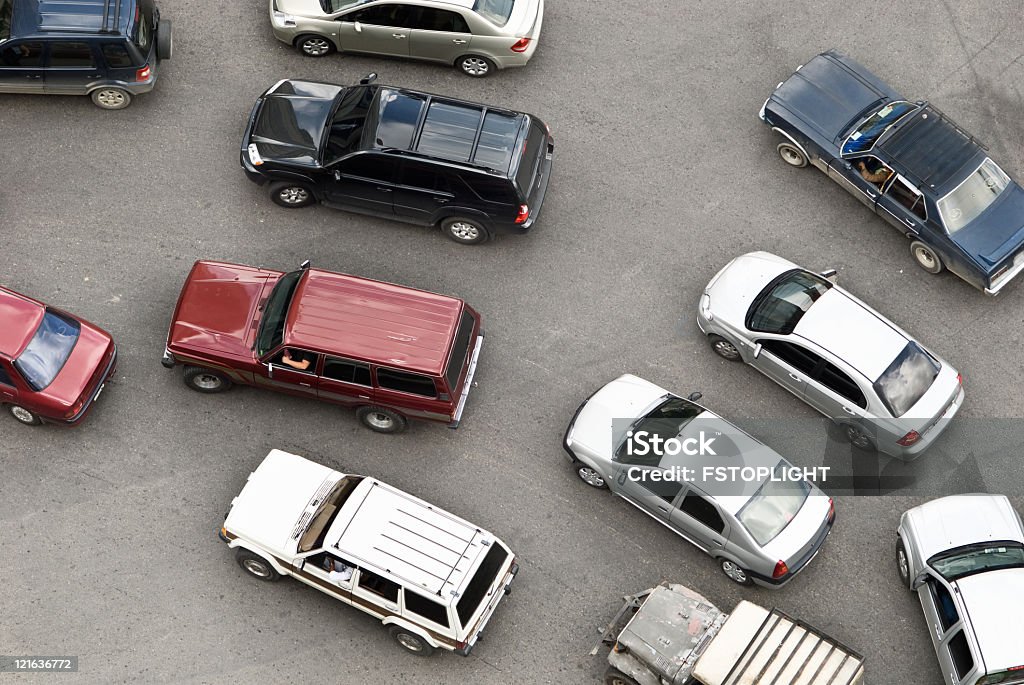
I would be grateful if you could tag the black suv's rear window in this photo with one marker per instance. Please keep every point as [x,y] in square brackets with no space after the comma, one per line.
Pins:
[529,161]
[482,580]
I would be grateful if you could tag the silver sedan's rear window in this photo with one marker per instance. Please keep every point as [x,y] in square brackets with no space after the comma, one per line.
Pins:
[907,379]
[495,11]
[773,506]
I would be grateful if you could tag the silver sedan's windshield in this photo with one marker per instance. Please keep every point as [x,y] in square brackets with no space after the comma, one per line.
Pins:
[773,506]
[979,558]
[332,6]
[973,196]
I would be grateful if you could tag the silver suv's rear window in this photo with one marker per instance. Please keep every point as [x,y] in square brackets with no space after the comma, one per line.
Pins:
[907,379]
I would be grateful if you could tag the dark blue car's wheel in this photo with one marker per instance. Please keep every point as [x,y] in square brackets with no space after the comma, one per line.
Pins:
[925,257]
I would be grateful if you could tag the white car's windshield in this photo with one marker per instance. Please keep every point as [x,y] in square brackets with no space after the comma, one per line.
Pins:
[973,196]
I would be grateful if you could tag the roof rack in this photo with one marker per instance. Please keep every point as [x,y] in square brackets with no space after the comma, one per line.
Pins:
[955,125]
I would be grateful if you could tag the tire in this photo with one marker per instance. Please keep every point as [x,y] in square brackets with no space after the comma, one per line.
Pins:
[205,380]
[589,476]
[164,40]
[410,641]
[475,66]
[291,195]
[312,45]
[111,98]
[465,231]
[926,257]
[614,676]
[724,348]
[903,562]
[792,155]
[256,566]
[24,416]
[735,572]
[856,437]
[381,420]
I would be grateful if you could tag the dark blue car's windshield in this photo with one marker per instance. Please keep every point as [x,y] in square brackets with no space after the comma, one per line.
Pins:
[863,139]
[49,348]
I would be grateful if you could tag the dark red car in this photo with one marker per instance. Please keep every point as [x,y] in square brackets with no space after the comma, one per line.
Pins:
[390,352]
[53,365]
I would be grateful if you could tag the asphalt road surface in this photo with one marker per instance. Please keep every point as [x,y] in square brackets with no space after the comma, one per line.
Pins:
[662,174]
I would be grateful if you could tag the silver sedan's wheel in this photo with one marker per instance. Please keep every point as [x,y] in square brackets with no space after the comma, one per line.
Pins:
[24,415]
[314,46]
[475,66]
[723,348]
[857,437]
[792,155]
[925,257]
[735,573]
[111,98]
[590,476]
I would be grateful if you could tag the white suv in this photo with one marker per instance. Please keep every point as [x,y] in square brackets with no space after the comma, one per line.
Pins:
[432,577]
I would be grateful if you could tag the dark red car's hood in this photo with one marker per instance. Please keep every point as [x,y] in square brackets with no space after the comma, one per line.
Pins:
[217,307]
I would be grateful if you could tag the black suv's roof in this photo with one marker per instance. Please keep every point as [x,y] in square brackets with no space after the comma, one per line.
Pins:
[32,17]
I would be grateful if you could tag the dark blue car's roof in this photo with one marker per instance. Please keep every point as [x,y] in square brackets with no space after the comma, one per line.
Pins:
[932,150]
[42,16]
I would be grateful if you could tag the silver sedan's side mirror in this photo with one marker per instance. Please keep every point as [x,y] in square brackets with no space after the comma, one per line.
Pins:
[757,350]
[830,275]
[694,396]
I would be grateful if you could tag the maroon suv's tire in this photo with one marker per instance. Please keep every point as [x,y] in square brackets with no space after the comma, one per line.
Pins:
[381,420]
[205,380]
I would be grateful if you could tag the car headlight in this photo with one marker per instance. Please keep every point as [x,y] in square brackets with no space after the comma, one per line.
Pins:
[705,307]
[254,155]
[283,19]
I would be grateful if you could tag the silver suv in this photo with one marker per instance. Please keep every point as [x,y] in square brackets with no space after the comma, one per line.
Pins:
[964,556]
[476,36]
[883,388]
[719,488]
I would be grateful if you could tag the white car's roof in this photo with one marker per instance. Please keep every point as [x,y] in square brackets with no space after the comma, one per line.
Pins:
[995,605]
[851,332]
[950,522]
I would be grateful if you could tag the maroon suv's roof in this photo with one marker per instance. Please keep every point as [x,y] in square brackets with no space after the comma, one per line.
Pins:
[366,319]
[19,319]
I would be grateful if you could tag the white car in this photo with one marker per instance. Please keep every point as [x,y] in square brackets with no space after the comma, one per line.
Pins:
[434,579]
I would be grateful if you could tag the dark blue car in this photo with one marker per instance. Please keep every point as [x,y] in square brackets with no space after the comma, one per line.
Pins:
[907,161]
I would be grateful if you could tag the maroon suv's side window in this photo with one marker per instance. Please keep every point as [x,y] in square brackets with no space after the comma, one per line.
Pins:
[403,381]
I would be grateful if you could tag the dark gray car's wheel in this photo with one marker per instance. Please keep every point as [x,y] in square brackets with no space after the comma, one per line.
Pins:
[164,40]
[464,231]
[29,418]
[590,476]
[735,572]
[314,46]
[723,348]
[474,65]
[291,195]
[381,420]
[111,98]
[255,565]
[410,641]
[925,257]
[902,562]
[205,380]
[614,676]
[792,155]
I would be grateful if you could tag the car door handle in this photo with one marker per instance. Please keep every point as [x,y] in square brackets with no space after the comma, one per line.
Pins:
[870,194]
[383,189]
[938,634]
[398,35]
[34,77]
[720,543]
[459,41]
[908,222]
[306,385]
[93,77]
[796,378]
[664,509]
[849,411]
[441,200]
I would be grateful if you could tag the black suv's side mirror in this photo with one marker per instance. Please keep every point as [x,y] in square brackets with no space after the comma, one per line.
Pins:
[694,396]
[369,78]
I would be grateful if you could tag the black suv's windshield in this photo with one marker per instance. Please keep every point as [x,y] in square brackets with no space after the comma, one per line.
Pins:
[907,379]
[495,11]
[781,305]
[6,13]
[48,350]
[345,132]
[967,561]
[863,139]
[275,311]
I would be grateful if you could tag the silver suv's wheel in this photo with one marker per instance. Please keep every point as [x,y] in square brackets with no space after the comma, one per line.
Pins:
[902,562]
[474,65]
[111,98]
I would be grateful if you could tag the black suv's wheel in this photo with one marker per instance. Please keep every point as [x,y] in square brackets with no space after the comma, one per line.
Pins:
[164,40]
[314,46]
[474,65]
[410,641]
[792,155]
[111,98]
[255,565]
[925,257]
[464,231]
[291,195]
[381,420]
[205,380]
[29,418]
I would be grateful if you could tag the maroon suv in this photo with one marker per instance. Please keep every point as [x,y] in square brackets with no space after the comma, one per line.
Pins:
[53,365]
[390,352]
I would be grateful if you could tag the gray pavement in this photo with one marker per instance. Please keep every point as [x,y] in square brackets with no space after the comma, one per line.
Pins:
[662,174]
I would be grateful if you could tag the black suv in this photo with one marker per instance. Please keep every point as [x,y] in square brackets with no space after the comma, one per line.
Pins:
[107,49]
[471,169]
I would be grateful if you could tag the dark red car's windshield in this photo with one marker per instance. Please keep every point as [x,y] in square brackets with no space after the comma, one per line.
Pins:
[48,350]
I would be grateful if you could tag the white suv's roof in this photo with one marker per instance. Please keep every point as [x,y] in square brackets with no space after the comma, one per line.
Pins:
[995,607]
[425,546]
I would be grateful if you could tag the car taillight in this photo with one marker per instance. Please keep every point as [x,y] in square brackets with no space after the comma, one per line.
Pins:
[909,439]
[75,408]
[523,215]
[780,570]
[460,644]
[960,379]
[143,73]
[520,45]
[831,510]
